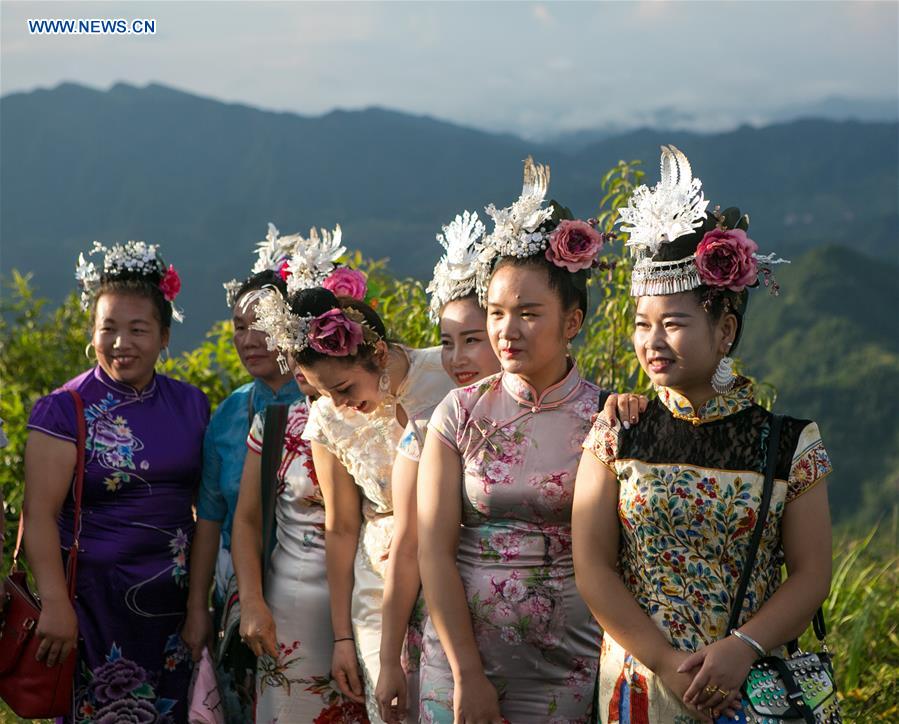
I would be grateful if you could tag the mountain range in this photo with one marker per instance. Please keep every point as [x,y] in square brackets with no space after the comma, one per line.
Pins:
[203,178]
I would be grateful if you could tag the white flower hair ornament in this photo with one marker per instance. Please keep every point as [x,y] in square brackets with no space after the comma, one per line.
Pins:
[528,228]
[272,254]
[678,246]
[136,260]
[304,263]
[455,275]
[339,332]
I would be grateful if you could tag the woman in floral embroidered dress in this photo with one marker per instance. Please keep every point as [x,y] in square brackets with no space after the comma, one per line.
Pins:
[467,357]
[663,511]
[143,455]
[508,636]
[287,623]
[375,397]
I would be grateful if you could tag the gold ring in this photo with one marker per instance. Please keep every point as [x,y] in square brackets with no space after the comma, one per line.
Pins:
[723,693]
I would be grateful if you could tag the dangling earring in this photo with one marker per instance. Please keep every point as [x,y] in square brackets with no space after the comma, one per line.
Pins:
[384,382]
[724,377]
[164,354]
[87,352]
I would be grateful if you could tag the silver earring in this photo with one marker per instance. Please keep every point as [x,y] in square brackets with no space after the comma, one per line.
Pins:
[724,377]
[384,382]
[87,352]
[164,354]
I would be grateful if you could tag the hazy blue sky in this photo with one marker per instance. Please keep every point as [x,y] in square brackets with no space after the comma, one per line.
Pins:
[523,67]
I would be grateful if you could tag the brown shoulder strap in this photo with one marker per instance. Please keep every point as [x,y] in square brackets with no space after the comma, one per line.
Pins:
[78,491]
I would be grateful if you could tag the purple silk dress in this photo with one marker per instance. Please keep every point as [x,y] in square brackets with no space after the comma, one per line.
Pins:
[143,465]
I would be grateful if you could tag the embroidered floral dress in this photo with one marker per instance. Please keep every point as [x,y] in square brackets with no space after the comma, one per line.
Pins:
[690,485]
[537,640]
[224,450]
[143,456]
[366,446]
[296,688]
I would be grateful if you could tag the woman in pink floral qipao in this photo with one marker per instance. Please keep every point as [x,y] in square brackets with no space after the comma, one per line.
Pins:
[509,638]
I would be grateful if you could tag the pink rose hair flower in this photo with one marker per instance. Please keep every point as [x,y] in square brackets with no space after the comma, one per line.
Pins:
[283,270]
[574,245]
[170,284]
[335,334]
[346,282]
[725,258]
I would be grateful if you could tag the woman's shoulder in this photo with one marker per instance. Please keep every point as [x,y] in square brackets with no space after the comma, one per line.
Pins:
[237,400]
[54,413]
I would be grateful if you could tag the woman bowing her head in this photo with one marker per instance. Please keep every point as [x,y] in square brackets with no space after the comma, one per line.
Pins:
[366,431]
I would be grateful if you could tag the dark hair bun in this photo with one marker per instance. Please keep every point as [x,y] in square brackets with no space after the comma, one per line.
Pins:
[259,280]
[313,302]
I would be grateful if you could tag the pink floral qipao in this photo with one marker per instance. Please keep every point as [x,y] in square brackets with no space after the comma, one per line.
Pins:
[537,640]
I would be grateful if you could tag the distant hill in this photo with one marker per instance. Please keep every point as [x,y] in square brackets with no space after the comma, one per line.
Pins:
[203,177]
[830,345]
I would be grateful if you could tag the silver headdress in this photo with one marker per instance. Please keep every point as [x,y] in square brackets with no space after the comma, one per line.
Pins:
[313,259]
[129,260]
[673,208]
[272,254]
[677,246]
[455,273]
[516,230]
[308,263]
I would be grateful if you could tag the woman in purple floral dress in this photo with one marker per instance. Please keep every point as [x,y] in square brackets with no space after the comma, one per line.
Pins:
[509,638]
[143,457]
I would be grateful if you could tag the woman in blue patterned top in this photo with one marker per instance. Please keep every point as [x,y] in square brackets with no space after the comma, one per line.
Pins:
[224,450]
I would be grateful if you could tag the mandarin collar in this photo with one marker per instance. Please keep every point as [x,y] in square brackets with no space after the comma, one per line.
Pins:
[123,389]
[720,406]
[288,392]
[526,396]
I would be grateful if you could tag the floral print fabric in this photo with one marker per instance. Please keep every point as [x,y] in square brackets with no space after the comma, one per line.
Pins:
[296,687]
[690,485]
[142,469]
[366,446]
[537,640]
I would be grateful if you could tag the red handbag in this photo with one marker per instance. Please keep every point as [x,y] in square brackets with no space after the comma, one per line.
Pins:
[30,687]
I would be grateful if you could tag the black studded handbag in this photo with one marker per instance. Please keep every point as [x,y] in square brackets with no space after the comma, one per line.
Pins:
[799,687]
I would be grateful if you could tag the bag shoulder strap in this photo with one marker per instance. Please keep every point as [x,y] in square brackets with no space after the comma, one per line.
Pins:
[604,395]
[78,491]
[773,447]
[272,445]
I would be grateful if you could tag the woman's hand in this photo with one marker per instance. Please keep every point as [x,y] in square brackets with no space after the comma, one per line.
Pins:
[57,629]
[257,628]
[720,670]
[626,407]
[197,630]
[392,686]
[678,677]
[475,701]
[345,670]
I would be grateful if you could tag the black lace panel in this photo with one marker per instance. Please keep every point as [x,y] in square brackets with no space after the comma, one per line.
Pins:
[736,442]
